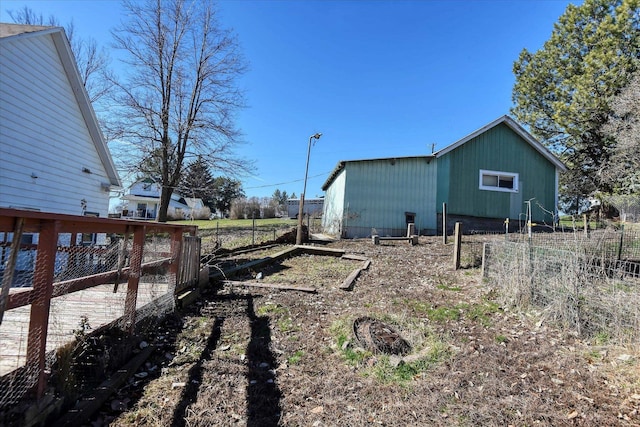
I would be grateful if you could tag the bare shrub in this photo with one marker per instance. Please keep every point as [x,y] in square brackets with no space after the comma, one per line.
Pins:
[202,213]
[593,296]
[174,214]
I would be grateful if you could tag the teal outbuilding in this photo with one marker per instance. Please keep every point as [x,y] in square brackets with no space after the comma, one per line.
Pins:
[499,171]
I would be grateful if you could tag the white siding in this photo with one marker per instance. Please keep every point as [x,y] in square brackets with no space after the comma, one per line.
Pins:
[43,133]
[334,213]
[145,189]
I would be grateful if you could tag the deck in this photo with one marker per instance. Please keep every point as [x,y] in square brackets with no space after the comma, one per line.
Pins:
[99,304]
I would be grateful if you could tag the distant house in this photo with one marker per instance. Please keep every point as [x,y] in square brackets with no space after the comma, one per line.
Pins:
[497,172]
[53,157]
[143,201]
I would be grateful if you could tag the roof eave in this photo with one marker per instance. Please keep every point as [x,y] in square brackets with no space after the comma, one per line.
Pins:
[71,69]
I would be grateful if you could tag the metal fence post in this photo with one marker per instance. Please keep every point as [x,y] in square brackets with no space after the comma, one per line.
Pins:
[444,223]
[621,242]
[484,260]
[457,245]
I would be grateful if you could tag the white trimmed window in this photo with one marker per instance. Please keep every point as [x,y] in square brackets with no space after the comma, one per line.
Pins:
[498,181]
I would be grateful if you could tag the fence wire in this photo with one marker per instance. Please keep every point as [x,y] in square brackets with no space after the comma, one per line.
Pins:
[575,282]
[75,359]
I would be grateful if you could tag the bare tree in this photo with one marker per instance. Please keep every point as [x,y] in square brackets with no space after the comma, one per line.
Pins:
[180,94]
[93,62]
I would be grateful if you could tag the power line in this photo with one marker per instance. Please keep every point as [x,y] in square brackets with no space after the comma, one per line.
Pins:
[256,187]
[283,183]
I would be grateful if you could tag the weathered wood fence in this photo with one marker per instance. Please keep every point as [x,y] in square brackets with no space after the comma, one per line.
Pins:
[64,249]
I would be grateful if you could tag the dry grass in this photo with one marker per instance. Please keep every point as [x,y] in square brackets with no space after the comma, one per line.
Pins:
[266,358]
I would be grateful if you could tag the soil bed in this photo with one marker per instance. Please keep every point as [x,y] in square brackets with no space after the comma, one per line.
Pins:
[261,357]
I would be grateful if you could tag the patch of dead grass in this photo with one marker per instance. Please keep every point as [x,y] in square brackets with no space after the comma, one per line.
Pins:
[272,357]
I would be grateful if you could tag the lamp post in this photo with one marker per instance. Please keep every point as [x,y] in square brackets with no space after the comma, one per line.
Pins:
[304,190]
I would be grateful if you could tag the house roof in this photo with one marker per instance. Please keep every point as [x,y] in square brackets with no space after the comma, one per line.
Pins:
[10,32]
[7,30]
[193,202]
[342,163]
[514,126]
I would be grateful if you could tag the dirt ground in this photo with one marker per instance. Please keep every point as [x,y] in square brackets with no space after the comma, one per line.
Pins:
[262,357]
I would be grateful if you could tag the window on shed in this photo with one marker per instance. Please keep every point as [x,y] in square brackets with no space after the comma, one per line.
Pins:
[498,181]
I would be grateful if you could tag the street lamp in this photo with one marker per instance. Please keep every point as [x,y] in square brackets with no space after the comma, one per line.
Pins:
[304,190]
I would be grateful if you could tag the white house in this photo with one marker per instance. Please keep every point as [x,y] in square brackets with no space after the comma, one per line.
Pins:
[143,201]
[53,156]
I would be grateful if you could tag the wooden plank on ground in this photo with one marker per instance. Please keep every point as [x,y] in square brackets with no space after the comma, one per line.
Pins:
[216,274]
[354,257]
[348,282]
[85,408]
[317,250]
[270,286]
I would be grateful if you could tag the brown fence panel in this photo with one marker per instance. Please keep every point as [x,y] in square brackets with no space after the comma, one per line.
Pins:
[66,279]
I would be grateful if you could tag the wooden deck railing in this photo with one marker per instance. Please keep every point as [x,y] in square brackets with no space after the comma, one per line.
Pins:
[48,227]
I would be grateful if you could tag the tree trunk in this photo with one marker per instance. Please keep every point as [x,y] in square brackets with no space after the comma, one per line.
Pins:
[165,197]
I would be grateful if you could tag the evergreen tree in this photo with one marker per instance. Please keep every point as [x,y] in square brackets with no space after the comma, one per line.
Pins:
[226,191]
[563,91]
[624,125]
[197,181]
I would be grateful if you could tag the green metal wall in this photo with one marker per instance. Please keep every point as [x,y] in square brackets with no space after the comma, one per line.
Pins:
[379,192]
[498,149]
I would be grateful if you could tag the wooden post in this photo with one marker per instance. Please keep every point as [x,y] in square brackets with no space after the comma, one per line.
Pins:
[176,256]
[456,245]
[586,225]
[122,257]
[444,223]
[42,290]
[135,271]
[10,266]
[300,212]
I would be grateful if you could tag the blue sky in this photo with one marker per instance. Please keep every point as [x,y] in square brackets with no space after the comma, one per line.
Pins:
[376,78]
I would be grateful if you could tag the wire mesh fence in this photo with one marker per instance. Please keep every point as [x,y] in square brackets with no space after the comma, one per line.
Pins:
[610,243]
[228,237]
[578,283]
[70,306]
